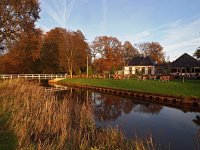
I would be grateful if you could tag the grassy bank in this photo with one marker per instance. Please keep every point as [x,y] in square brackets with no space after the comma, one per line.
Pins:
[190,88]
[42,121]
[8,140]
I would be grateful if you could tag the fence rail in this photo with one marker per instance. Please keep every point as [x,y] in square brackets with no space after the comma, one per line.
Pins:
[32,76]
[56,88]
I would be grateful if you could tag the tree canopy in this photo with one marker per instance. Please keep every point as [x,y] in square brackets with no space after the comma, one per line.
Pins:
[16,16]
[107,53]
[63,51]
[25,49]
[153,49]
[197,53]
[129,51]
[24,54]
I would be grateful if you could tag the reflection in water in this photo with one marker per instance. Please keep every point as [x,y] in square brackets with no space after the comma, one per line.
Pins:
[109,107]
[149,108]
[168,126]
[197,120]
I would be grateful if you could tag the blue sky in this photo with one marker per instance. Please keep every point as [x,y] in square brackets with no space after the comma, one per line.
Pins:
[175,24]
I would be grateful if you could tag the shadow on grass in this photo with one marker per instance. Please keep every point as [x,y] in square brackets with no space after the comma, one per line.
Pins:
[8,141]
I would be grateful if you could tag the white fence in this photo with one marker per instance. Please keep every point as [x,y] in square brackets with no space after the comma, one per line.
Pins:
[56,88]
[32,76]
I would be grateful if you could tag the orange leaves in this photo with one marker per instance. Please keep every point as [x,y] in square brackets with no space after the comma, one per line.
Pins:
[64,50]
[129,51]
[153,49]
[23,54]
[17,17]
[107,53]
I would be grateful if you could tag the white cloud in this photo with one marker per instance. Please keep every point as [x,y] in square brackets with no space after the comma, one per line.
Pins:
[177,49]
[58,11]
[183,31]
[178,37]
[43,27]
[142,36]
[68,10]
[184,38]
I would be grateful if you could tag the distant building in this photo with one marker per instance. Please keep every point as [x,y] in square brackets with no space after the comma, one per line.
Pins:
[140,65]
[164,68]
[185,65]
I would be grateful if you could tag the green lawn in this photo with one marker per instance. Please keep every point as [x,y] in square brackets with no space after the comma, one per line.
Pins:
[190,88]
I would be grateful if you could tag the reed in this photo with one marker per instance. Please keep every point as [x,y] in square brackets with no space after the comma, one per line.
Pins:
[41,121]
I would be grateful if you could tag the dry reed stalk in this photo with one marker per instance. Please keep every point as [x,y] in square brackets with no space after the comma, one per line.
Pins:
[41,121]
[39,118]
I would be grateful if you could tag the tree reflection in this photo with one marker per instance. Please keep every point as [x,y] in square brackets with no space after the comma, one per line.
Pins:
[109,107]
[76,95]
[197,120]
[149,108]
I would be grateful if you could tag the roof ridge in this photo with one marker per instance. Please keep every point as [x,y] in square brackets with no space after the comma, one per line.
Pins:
[142,61]
[185,60]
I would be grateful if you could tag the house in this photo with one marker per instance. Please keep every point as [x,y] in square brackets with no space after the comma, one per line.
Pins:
[140,65]
[164,68]
[185,65]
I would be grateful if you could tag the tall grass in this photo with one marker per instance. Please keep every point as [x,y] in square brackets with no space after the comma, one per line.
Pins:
[41,121]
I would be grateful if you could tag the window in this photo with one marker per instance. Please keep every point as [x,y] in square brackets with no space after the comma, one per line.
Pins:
[126,68]
[149,70]
[136,71]
[143,70]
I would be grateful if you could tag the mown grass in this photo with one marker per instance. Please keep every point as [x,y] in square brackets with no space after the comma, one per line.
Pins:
[41,121]
[189,88]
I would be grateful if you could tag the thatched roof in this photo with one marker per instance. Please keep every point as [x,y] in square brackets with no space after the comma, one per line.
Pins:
[141,61]
[185,60]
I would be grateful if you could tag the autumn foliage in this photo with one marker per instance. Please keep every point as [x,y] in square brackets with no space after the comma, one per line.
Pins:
[63,51]
[16,16]
[154,50]
[24,54]
[107,53]
[66,51]
[26,49]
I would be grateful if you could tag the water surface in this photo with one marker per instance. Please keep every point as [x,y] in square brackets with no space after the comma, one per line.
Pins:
[172,128]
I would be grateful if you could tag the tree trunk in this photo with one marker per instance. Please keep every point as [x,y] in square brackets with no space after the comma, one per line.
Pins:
[70,67]
[71,70]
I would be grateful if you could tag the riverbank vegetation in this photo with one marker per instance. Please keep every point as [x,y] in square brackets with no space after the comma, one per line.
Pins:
[27,49]
[189,88]
[39,120]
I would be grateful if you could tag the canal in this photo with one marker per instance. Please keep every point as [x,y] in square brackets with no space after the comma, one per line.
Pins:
[171,128]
